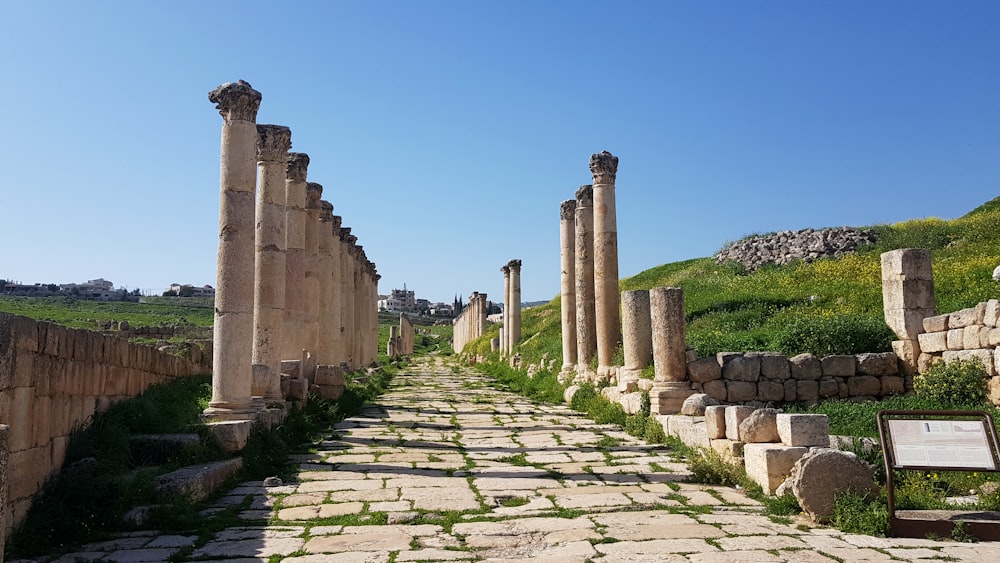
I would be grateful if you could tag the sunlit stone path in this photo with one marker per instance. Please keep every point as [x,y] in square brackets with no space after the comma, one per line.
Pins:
[444,468]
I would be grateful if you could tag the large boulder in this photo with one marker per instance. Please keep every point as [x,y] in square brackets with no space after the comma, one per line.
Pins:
[822,473]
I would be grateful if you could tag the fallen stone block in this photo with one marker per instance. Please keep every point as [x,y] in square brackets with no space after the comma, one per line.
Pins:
[760,427]
[196,482]
[696,404]
[569,392]
[817,477]
[691,430]
[715,422]
[734,416]
[770,464]
[803,429]
[631,402]
[232,435]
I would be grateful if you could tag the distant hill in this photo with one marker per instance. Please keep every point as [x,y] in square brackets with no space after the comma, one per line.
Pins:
[832,305]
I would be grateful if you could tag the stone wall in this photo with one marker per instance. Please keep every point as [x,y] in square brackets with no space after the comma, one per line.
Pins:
[968,334]
[771,377]
[788,246]
[52,379]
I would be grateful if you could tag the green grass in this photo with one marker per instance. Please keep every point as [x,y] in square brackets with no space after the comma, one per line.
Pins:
[78,313]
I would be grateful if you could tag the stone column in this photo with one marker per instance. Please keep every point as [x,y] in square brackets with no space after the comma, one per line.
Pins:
[567,282]
[295,242]
[349,297]
[359,310]
[273,142]
[637,336]
[515,304]
[325,332]
[907,299]
[586,331]
[232,345]
[670,382]
[505,346]
[310,340]
[604,167]
[337,292]
[481,318]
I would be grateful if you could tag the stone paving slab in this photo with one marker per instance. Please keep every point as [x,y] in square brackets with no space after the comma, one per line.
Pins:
[445,468]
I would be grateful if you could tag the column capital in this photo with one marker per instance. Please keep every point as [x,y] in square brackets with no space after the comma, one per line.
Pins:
[585,196]
[325,211]
[313,192]
[236,101]
[297,166]
[604,167]
[344,233]
[273,142]
[567,210]
[506,270]
[515,266]
[335,221]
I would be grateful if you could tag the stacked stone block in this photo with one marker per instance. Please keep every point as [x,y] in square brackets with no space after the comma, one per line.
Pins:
[968,334]
[52,379]
[771,377]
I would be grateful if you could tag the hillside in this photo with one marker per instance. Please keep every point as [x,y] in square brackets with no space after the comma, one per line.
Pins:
[829,306]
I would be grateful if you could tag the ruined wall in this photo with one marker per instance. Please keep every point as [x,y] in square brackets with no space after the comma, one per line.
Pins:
[405,335]
[772,377]
[968,334]
[52,379]
[788,246]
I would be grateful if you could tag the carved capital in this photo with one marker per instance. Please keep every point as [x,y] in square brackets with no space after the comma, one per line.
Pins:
[515,266]
[325,211]
[344,233]
[604,167]
[273,142]
[506,270]
[236,101]
[567,210]
[297,166]
[585,196]
[314,191]
[335,221]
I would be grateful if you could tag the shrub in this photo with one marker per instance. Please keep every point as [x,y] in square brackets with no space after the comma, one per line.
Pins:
[960,383]
[853,514]
[843,334]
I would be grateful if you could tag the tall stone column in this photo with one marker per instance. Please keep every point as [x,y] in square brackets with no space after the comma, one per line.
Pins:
[637,336]
[907,299]
[586,330]
[324,350]
[505,345]
[337,292]
[515,304]
[232,346]
[359,310]
[295,243]
[481,316]
[604,167]
[273,142]
[349,298]
[670,381]
[310,280]
[567,282]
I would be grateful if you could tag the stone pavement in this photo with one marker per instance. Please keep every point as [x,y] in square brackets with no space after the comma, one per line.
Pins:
[445,468]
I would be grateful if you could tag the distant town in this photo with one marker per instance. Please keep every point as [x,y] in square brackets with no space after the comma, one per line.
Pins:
[397,301]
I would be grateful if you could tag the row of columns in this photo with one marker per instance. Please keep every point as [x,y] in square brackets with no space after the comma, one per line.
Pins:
[471,322]
[510,331]
[400,338]
[290,281]
[588,234]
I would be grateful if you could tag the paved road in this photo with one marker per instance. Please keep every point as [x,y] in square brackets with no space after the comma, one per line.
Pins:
[444,468]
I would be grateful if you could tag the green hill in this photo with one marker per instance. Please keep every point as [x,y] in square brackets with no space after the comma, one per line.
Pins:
[829,306]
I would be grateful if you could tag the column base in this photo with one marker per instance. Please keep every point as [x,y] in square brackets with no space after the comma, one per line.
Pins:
[227,411]
[628,379]
[667,397]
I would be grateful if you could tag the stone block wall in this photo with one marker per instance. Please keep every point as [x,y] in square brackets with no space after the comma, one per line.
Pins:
[772,377]
[968,334]
[52,379]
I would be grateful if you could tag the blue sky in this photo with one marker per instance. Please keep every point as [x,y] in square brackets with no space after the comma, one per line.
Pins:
[447,132]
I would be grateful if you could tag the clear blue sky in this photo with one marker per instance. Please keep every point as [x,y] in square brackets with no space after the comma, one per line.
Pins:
[447,132]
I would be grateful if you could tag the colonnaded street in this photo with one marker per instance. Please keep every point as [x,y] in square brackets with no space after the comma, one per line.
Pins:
[445,468]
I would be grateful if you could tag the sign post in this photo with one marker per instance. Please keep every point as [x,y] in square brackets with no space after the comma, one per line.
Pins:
[938,441]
